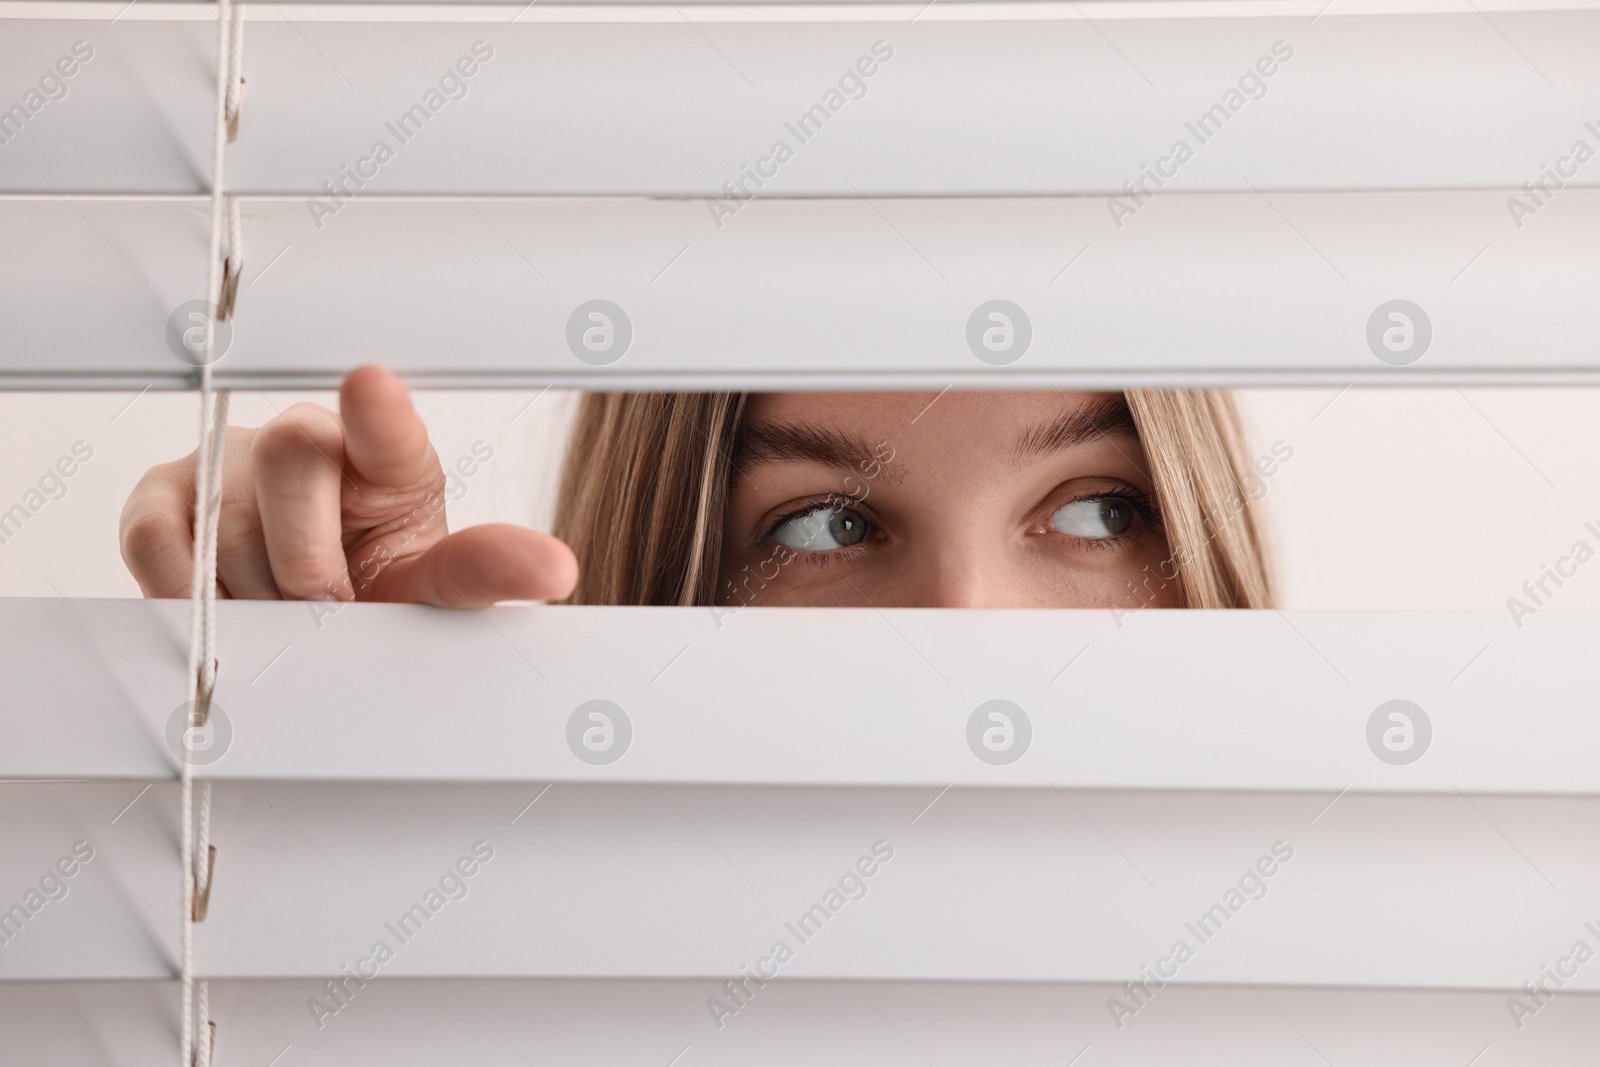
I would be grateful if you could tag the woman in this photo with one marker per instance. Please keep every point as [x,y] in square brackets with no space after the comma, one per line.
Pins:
[960,499]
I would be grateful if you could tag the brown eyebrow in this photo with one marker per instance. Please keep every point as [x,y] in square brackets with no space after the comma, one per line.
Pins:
[766,442]
[1107,417]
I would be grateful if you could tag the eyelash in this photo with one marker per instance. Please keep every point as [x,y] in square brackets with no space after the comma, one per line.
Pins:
[1142,503]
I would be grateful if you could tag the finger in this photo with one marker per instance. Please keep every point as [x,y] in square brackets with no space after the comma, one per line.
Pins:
[156,532]
[243,567]
[386,441]
[298,464]
[481,565]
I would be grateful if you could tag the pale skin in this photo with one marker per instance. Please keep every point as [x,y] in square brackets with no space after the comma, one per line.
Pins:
[841,499]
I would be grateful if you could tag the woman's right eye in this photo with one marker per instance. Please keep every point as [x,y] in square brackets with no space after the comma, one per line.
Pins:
[822,529]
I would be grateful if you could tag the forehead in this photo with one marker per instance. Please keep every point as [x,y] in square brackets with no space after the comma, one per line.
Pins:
[888,414]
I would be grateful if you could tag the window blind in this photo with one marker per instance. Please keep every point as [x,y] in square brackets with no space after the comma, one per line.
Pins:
[1371,832]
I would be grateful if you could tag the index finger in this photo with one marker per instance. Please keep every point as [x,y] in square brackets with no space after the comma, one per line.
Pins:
[386,442]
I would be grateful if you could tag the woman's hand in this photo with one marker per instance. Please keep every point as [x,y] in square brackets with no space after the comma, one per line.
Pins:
[318,505]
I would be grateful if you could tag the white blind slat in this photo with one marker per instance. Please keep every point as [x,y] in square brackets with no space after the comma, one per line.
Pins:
[831,293]
[1172,700]
[421,1023]
[667,880]
[1016,99]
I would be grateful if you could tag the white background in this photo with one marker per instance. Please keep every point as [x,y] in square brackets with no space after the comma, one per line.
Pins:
[1429,498]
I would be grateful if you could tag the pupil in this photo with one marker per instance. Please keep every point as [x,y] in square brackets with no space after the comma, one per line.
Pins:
[847,527]
[1116,515]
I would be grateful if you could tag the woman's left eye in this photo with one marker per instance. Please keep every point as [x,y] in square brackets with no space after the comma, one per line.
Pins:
[1098,518]
[822,529]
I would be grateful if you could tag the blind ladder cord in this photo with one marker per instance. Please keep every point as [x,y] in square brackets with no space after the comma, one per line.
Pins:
[197,856]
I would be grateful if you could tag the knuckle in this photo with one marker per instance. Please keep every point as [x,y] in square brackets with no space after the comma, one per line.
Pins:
[149,535]
[156,511]
[164,478]
[304,433]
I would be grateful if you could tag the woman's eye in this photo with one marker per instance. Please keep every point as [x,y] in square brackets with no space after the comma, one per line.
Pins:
[1097,519]
[822,530]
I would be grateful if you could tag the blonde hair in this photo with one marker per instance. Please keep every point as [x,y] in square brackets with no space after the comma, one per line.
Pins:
[646,477]
[1195,447]
[643,489]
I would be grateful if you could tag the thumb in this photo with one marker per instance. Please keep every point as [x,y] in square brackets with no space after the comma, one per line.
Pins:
[480,565]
